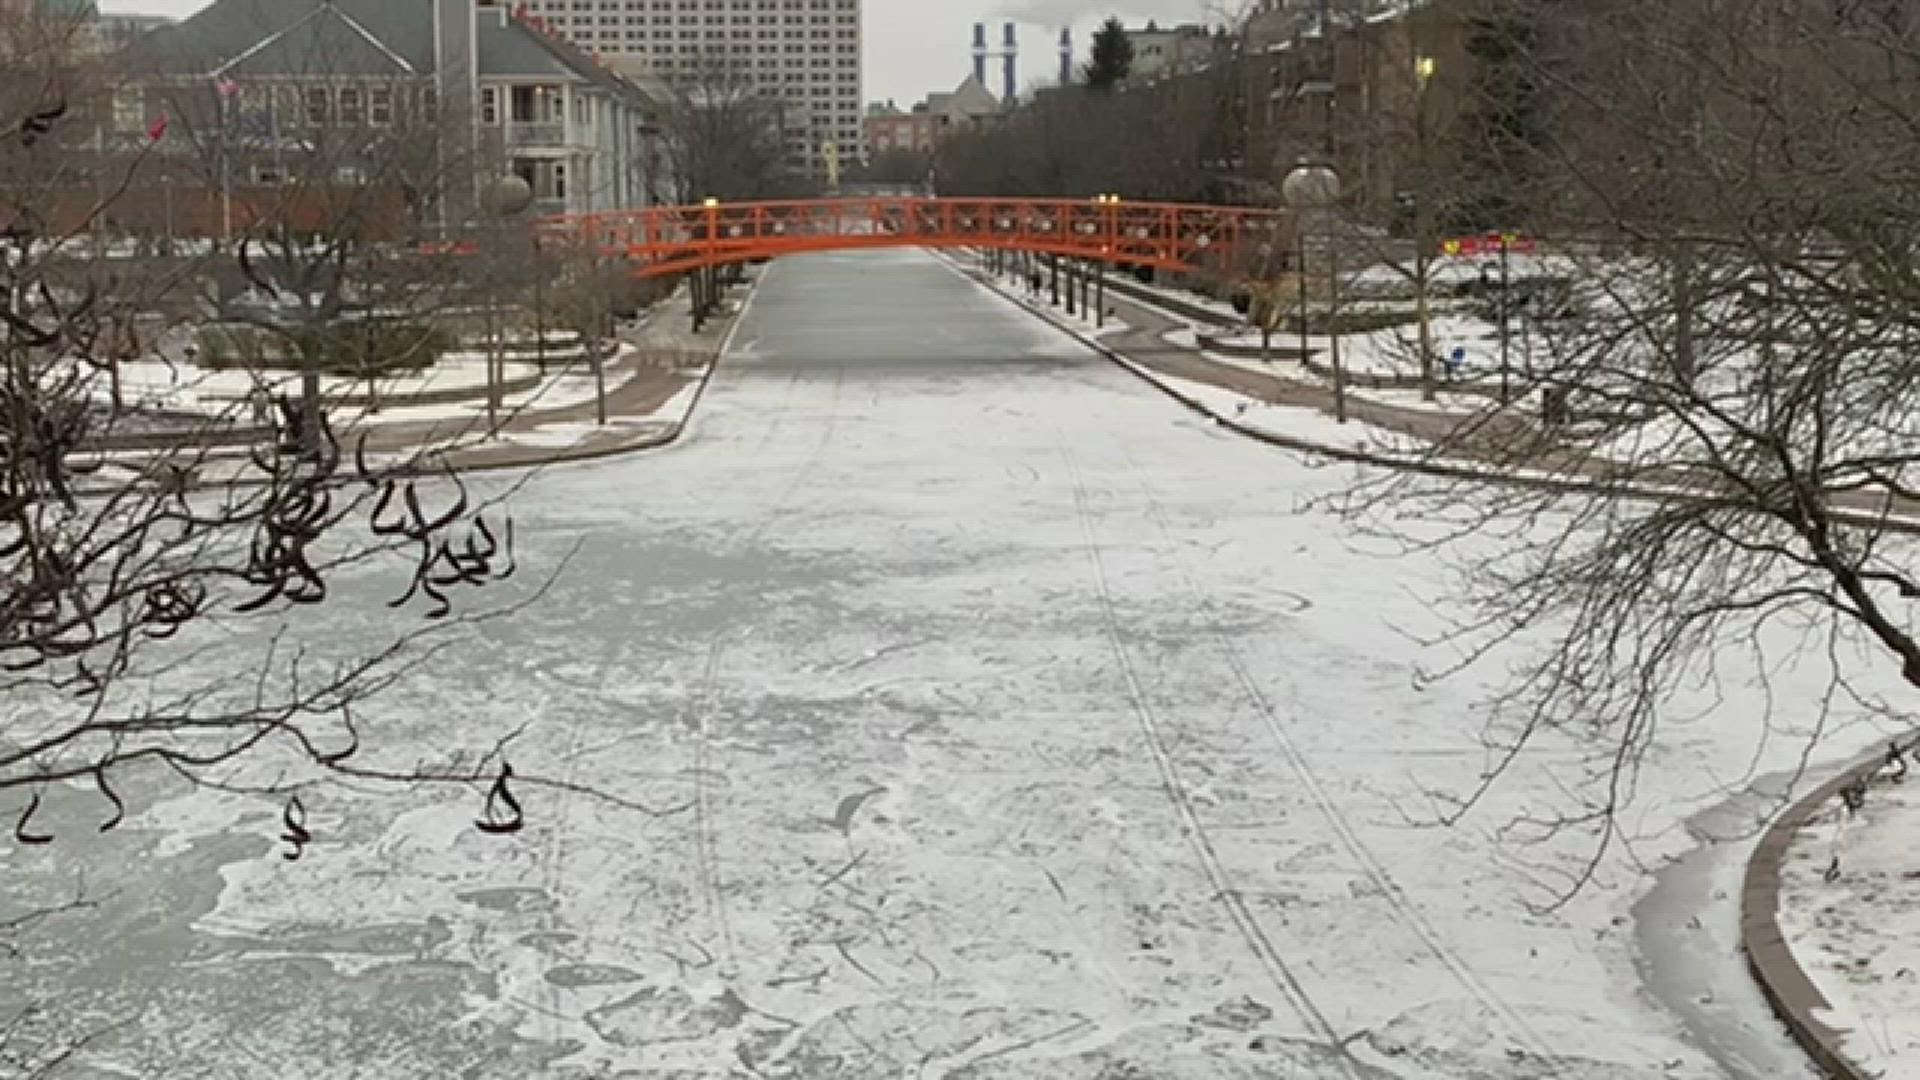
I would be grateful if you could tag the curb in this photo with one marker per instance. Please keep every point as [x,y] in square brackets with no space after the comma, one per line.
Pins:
[1783,982]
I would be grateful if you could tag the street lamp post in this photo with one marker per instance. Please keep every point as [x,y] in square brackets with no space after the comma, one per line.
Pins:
[1109,232]
[1423,69]
[703,281]
[506,196]
[1312,191]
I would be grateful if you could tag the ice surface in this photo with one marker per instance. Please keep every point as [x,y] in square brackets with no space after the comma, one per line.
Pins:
[977,712]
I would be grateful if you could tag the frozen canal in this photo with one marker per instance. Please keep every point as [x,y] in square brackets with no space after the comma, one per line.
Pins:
[1000,719]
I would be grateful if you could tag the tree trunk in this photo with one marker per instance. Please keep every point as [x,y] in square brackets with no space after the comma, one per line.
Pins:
[1685,359]
[1423,315]
[310,409]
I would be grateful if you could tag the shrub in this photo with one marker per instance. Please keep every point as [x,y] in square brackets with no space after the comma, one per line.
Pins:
[355,348]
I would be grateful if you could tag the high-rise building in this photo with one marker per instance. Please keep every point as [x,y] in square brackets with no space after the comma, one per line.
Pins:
[803,53]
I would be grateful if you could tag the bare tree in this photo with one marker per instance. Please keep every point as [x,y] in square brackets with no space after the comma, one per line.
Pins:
[158,564]
[723,134]
[323,191]
[1727,385]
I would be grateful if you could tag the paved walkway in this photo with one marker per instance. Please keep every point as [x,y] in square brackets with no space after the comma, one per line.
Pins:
[666,360]
[1505,438]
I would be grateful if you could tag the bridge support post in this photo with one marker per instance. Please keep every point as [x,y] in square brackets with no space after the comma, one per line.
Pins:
[1086,290]
[1071,289]
[1053,277]
[1100,295]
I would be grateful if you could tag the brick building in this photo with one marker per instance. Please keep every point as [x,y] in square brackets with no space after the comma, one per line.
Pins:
[922,128]
[1374,96]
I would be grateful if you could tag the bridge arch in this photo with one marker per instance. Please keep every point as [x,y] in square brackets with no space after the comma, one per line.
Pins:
[662,240]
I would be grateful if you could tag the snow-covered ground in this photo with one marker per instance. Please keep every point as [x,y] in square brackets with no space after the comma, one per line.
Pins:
[976,712]
[1858,936]
[181,386]
[561,435]
[1395,351]
[1218,307]
[1311,425]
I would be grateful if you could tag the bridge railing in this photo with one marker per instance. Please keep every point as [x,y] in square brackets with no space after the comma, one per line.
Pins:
[667,239]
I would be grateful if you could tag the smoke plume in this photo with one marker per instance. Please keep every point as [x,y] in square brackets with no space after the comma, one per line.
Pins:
[1053,13]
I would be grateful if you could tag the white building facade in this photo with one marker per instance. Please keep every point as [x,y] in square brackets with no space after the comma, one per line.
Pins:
[803,53]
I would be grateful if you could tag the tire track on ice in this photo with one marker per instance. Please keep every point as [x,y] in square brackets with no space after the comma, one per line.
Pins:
[707,697]
[1248,926]
[1407,913]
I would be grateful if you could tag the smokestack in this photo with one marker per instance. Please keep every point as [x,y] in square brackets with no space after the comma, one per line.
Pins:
[1066,56]
[980,53]
[1011,55]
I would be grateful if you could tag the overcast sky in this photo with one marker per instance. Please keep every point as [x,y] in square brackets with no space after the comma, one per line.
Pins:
[917,46]
[914,46]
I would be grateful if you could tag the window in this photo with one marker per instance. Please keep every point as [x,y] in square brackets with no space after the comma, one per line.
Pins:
[129,110]
[559,180]
[352,105]
[380,105]
[430,105]
[489,105]
[318,105]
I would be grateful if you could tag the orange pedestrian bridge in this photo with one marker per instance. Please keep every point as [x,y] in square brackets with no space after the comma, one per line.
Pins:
[662,240]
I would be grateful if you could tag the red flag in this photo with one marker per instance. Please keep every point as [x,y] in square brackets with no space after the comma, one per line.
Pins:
[158,129]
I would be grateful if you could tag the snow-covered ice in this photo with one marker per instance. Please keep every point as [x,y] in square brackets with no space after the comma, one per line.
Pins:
[992,715]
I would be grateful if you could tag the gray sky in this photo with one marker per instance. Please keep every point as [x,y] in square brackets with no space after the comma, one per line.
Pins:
[917,46]
[914,46]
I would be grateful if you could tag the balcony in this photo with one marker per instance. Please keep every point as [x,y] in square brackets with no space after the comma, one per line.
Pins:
[536,133]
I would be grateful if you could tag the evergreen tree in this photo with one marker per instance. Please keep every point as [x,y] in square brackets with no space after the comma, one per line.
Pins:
[1112,56]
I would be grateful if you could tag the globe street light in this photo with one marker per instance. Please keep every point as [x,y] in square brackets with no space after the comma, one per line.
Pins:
[1312,191]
